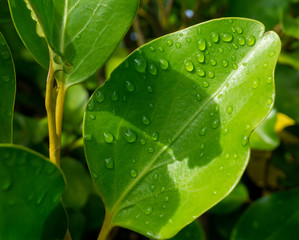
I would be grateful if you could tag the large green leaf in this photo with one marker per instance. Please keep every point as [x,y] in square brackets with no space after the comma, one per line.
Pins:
[264,136]
[287,88]
[30,190]
[7,92]
[84,32]
[166,137]
[273,217]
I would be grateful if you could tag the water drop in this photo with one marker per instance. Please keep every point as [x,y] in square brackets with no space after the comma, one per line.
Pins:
[133,173]
[214,37]
[235,66]
[150,89]
[151,106]
[269,101]
[233,29]
[211,74]
[241,40]
[155,136]
[250,40]
[142,141]
[148,211]
[206,84]
[227,156]
[239,30]
[140,65]
[109,163]
[151,150]
[108,137]
[156,176]
[235,156]
[130,136]
[235,46]
[145,120]
[161,49]
[202,44]
[233,57]
[255,83]
[5,78]
[153,69]
[189,65]
[225,131]
[199,31]
[178,45]
[213,62]
[229,109]
[245,141]
[92,117]
[269,80]
[88,137]
[181,34]
[164,64]
[90,105]
[215,124]
[200,57]
[188,40]
[210,44]
[220,50]
[220,96]
[203,131]
[170,43]
[201,72]
[130,86]
[114,96]
[99,96]
[244,64]
[224,63]
[152,48]
[226,37]
[198,97]
[95,175]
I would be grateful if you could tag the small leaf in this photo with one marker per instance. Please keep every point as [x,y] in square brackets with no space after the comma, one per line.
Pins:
[30,191]
[272,217]
[166,138]
[83,34]
[264,136]
[7,92]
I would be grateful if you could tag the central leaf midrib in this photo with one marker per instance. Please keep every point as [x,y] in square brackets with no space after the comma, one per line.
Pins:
[249,55]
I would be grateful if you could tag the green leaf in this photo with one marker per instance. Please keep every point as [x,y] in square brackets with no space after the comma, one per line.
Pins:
[79,185]
[78,31]
[7,91]
[264,136]
[272,217]
[290,25]
[166,137]
[287,90]
[233,201]
[193,231]
[290,58]
[30,190]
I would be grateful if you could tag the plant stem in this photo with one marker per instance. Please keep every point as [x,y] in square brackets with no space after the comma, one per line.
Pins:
[50,108]
[106,228]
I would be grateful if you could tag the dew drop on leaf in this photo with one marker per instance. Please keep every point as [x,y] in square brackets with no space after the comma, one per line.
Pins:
[5,78]
[130,136]
[189,65]
[200,57]
[108,137]
[269,101]
[213,62]
[226,37]
[109,163]
[130,86]
[170,43]
[150,89]
[241,40]
[215,123]
[145,120]
[198,97]
[148,211]
[133,173]
[229,109]
[250,40]
[88,137]
[155,136]
[203,131]
[200,72]
[215,37]
[178,45]
[99,96]
[224,63]
[239,30]
[90,105]
[153,69]
[206,84]
[164,64]
[202,44]
[255,83]
[140,65]
[114,96]
[211,75]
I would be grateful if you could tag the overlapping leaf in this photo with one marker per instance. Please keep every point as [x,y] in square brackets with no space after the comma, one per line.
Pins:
[82,33]
[166,138]
[30,191]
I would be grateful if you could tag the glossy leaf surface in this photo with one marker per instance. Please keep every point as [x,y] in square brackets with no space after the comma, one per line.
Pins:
[173,122]
[30,191]
[85,32]
[7,92]
[273,217]
[264,136]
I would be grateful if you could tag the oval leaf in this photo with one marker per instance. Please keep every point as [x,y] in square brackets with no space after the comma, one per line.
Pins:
[7,92]
[166,138]
[273,217]
[78,30]
[30,190]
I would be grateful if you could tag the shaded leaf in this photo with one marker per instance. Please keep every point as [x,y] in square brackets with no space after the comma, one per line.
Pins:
[264,136]
[193,231]
[30,191]
[156,134]
[272,217]
[77,31]
[7,91]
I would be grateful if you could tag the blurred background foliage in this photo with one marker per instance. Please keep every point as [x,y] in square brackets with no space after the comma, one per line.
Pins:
[274,164]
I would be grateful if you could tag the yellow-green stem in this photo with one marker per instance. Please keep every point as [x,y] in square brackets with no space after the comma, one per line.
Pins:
[106,228]
[50,108]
